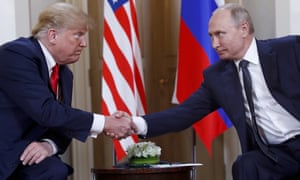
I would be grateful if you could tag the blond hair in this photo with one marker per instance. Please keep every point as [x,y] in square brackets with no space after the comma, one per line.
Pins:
[61,15]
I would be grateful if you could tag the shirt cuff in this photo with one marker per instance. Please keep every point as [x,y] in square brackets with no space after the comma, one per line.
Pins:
[52,144]
[140,124]
[97,126]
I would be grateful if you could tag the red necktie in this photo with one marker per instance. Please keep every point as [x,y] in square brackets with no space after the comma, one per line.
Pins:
[54,78]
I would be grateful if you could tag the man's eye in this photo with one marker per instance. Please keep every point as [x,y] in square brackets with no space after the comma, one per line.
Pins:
[220,34]
[78,35]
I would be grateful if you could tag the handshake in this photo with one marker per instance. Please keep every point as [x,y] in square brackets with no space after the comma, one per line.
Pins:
[119,125]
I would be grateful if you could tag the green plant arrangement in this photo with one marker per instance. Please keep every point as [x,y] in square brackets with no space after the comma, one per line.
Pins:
[143,153]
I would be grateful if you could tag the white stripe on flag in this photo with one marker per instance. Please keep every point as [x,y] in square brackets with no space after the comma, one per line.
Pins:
[127,89]
[121,84]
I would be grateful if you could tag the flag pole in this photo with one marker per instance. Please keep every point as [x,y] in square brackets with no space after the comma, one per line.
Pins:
[114,156]
[194,155]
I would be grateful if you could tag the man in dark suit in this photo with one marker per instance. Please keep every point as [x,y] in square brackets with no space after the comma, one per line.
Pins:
[37,121]
[272,151]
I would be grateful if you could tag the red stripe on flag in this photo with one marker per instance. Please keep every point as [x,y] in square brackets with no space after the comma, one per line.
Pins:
[121,42]
[209,128]
[192,61]
[124,21]
[119,149]
[140,86]
[121,61]
[104,108]
[111,84]
[134,20]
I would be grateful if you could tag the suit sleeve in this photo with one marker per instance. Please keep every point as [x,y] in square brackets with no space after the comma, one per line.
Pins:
[178,118]
[60,140]
[22,82]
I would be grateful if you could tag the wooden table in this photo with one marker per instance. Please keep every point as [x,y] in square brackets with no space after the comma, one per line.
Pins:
[148,173]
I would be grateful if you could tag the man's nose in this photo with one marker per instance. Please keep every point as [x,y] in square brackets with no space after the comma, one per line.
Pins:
[83,42]
[215,42]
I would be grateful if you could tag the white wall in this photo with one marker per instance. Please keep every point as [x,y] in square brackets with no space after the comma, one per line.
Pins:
[263,16]
[14,18]
[23,17]
[274,18]
[36,6]
[287,13]
[18,16]
[7,19]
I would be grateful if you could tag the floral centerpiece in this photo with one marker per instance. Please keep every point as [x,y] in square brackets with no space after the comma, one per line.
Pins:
[143,153]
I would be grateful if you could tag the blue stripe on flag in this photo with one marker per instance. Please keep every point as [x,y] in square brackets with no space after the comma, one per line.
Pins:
[225,118]
[115,4]
[196,14]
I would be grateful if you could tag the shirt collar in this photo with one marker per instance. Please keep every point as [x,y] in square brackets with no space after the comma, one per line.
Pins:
[49,58]
[251,54]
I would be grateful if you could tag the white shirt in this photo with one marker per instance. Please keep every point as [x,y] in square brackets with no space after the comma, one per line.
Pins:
[98,123]
[275,124]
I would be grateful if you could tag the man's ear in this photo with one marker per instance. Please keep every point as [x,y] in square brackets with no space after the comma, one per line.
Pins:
[52,35]
[245,28]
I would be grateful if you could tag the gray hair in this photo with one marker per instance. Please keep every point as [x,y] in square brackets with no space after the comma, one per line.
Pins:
[239,15]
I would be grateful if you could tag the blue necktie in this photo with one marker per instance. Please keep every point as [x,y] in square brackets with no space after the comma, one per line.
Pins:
[248,91]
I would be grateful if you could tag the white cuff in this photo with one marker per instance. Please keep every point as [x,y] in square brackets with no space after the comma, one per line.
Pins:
[52,144]
[97,126]
[140,124]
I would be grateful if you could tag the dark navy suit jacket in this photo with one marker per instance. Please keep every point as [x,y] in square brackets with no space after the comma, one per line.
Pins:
[280,61]
[28,108]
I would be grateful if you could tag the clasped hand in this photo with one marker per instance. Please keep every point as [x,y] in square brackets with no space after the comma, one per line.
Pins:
[119,125]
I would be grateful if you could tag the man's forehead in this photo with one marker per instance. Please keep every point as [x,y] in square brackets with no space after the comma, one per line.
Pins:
[220,14]
[220,18]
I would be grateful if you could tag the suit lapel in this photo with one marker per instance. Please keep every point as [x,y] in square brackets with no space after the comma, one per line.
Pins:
[271,72]
[66,83]
[232,90]
[269,65]
[66,77]
[43,65]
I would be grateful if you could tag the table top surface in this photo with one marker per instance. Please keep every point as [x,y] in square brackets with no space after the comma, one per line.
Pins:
[140,170]
[127,169]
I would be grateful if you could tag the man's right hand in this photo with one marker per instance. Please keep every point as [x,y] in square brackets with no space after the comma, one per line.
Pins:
[119,125]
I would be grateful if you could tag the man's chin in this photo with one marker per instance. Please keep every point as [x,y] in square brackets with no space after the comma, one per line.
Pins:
[72,61]
[225,59]
[75,58]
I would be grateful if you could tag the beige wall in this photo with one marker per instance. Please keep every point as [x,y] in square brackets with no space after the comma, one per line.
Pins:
[158,24]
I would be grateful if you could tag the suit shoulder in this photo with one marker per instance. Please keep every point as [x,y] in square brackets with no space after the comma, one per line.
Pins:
[217,67]
[282,42]
[24,46]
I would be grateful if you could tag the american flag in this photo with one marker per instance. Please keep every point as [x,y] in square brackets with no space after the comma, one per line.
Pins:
[122,80]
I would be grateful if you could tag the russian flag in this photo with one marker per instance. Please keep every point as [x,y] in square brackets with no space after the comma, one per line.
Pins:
[194,55]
